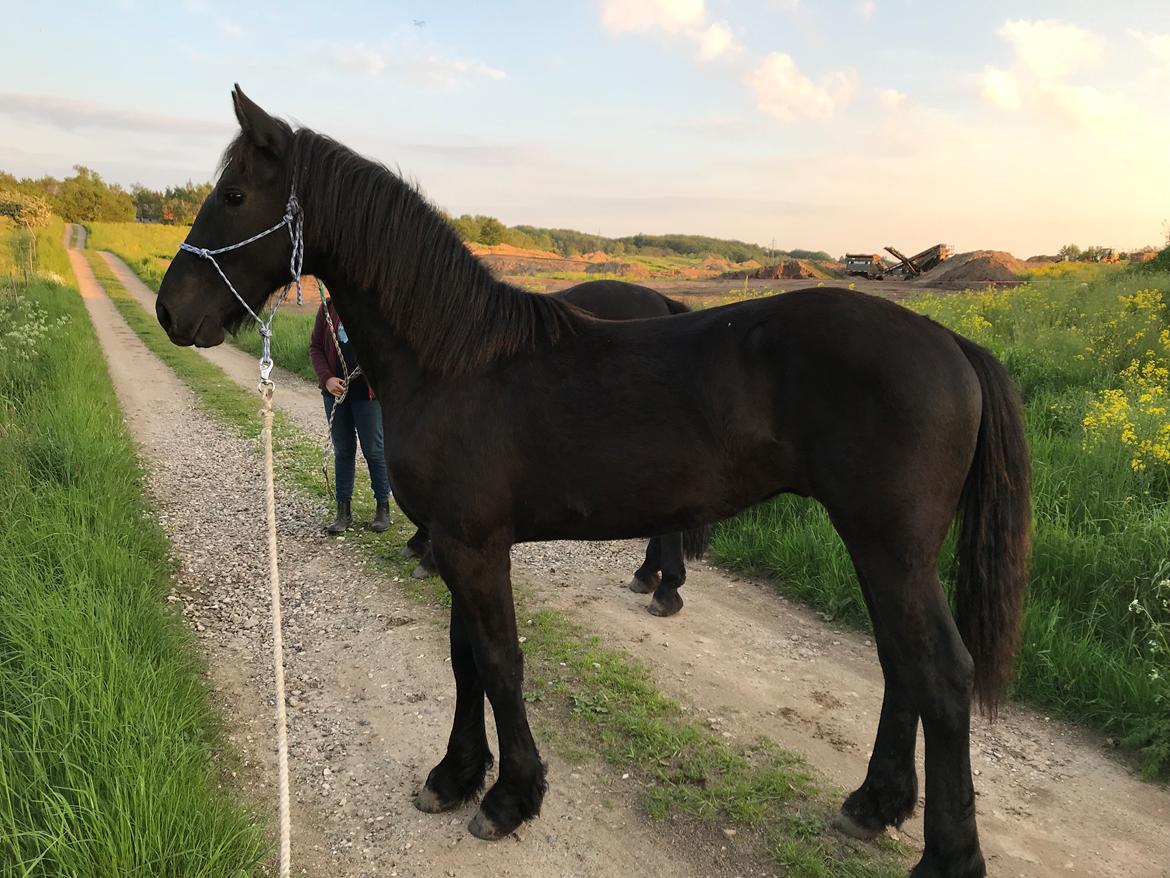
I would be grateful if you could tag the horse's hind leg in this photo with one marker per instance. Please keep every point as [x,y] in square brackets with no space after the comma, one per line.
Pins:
[460,775]
[481,586]
[666,600]
[928,673]
[646,578]
[890,791]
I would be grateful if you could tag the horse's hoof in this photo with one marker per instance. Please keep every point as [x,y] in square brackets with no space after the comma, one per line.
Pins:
[482,826]
[429,802]
[846,825]
[640,586]
[408,552]
[421,572]
[667,607]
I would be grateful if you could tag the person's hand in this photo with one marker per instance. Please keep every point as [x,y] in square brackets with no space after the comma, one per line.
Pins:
[335,386]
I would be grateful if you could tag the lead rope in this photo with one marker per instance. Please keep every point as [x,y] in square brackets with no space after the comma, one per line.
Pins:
[293,219]
[266,390]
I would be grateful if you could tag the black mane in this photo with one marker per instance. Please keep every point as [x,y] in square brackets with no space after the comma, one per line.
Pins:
[385,237]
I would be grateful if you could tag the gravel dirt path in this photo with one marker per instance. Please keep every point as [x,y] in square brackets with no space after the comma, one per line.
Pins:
[1052,798]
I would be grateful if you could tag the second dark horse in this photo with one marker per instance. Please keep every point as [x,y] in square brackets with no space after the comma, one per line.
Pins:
[664,570]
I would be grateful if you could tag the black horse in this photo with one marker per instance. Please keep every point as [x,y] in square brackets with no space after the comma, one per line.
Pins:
[518,417]
[664,569]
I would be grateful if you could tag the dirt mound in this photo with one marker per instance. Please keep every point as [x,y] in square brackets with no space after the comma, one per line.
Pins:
[596,256]
[978,266]
[789,269]
[509,250]
[623,269]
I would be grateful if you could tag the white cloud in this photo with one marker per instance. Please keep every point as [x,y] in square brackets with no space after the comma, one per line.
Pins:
[892,99]
[682,18]
[785,93]
[1052,49]
[74,115]
[1078,103]
[1000,88]
[1048,54]
[866,9]
[716,40]
[1157,45]
[672,16]
[427,64]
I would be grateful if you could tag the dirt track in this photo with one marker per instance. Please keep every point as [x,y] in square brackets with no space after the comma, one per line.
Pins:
[1052,800]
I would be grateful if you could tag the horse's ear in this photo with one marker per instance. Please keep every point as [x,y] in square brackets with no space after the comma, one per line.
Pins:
[264,131]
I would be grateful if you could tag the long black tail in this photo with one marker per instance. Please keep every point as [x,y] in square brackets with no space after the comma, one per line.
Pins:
[695,541]
[994,534]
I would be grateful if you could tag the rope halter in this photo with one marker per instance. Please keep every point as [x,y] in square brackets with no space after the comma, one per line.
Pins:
[294,221]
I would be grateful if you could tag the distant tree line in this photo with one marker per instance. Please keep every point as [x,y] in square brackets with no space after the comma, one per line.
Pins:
[489,231]
[86,197]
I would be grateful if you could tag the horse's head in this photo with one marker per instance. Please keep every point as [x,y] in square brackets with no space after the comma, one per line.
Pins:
[194,305]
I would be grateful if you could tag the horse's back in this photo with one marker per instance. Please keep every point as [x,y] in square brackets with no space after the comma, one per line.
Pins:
[619,300]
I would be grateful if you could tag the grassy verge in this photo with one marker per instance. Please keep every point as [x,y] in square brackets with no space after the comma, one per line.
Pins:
[107,742]
[145,247]
[1100,442]
[598,700]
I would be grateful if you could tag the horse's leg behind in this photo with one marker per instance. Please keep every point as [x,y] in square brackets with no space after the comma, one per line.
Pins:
[666,600]
[646,578]
[417,545]
[459,776]
[481,586]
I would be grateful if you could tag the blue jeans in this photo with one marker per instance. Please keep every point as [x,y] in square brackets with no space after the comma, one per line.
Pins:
[363,417]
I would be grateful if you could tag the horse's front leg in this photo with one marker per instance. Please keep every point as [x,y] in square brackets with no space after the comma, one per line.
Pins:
[667,601]
[646,578]
[460,775]
[481,586]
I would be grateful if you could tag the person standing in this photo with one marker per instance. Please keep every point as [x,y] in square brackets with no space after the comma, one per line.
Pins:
[356,418]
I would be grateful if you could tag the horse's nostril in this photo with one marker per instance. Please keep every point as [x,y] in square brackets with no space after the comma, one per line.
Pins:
[164,316]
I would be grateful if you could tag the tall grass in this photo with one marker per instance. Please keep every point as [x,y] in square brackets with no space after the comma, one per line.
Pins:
[1102,524]
[107,742]
[145,247]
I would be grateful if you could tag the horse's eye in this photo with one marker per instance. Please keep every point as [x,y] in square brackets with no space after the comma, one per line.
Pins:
[233,197]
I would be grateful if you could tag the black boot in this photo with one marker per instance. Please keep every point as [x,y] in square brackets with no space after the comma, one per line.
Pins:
[381,517]
[344,519]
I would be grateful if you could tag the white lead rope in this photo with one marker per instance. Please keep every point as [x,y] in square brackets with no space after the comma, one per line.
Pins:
[266,389]
[293,219]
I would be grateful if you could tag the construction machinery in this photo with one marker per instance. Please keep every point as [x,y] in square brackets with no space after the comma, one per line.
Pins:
[919,263]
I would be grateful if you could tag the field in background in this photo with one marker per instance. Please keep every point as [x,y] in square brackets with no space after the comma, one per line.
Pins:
[145,247]
[106,735]
[1102,480]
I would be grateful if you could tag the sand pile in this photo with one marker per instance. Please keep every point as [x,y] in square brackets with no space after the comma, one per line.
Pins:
[509,250]
[978,266]
[622,269]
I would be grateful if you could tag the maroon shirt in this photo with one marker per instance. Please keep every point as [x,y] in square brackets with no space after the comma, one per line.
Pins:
[322,351]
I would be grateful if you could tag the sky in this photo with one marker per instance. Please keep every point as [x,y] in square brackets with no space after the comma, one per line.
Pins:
[842,125]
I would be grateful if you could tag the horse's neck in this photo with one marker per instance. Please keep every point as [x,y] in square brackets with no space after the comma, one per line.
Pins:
[389,362]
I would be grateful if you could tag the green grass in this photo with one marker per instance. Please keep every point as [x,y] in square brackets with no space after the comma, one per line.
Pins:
[290,342]
[108,747]
[51,261]
[587,698]
[145,247]
[1102,529]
